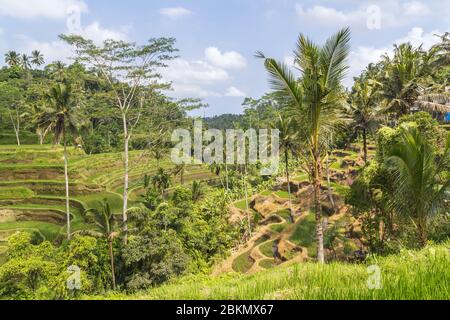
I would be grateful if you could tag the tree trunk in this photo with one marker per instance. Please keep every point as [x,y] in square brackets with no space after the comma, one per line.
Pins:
[317,183]
[126,179]
[423,234]
[330,194]
[66,177]
[286,162]
[16,128]
[111,257]
[365,144]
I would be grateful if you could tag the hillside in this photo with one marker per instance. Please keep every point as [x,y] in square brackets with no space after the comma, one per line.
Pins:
[32,187]
[411,275]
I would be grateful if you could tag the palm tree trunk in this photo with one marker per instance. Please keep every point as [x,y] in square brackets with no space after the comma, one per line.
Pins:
[422,228]
[126,179]
[365,144]
[317,184]
[330,194]
[286,162]
[66,177]
[111,257]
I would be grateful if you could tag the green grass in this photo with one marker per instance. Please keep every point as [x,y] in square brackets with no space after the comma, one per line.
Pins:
[243,263]
[279,228]
[266,193]
[282,194]
[411,275]
[266,249]
[242,204]
[49,231]
[305,234]
[15,193]
[267,263]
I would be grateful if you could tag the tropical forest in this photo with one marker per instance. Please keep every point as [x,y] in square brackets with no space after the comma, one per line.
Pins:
[93,207]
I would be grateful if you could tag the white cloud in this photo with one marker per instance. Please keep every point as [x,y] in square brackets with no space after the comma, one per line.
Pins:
[194,91]
[235,92]
[98,34]
[53,9]
[416,8]
[418,37]
[188,72]
[227,60]
[390,14]
[175,13]
[331,16]
[59,50]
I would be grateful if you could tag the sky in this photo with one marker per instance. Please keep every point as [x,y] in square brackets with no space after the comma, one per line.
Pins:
[218,39]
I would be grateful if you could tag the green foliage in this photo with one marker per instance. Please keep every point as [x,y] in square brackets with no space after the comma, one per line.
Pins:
[152,258]
[41,271]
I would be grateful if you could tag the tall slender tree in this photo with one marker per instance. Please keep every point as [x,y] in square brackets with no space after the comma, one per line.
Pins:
[316,100]
[37,58]
[364,109]
[129,70]
[62,114]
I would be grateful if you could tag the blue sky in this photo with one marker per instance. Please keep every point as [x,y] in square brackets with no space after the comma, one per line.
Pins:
[217,39]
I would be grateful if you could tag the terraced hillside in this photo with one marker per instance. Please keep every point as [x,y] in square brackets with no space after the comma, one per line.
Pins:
[281,239]
[32,187]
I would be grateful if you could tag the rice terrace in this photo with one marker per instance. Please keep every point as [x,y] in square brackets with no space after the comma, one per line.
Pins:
[121,179]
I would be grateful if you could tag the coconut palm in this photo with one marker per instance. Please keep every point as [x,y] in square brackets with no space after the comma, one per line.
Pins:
[62,115]
[364,109]
[37,58]
[420,189]
[106,224]
[315,99]
[12,58]
[401,78]
[161,180]
[25,62]
[288,143]
[57,70]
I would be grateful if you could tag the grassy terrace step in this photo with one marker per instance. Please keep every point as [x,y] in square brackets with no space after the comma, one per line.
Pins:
[411,275]
[52,187]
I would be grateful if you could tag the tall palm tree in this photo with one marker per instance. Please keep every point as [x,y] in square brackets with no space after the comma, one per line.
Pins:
[420,187]
[288,144]
[316,100]
[62,115]
[12,58]
[57,70]
[25,62]
[104,219]
[401,77]
[37,58]
[364,109]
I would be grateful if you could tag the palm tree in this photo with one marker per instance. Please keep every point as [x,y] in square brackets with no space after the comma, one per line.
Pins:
[103,218]
[400,80]
[57,70]
[25,62]
[288,143]
[161,180]
[316,99]
[364,110]
[12,58]
[61,115]
[197,190]
[420,188]
[37,58]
